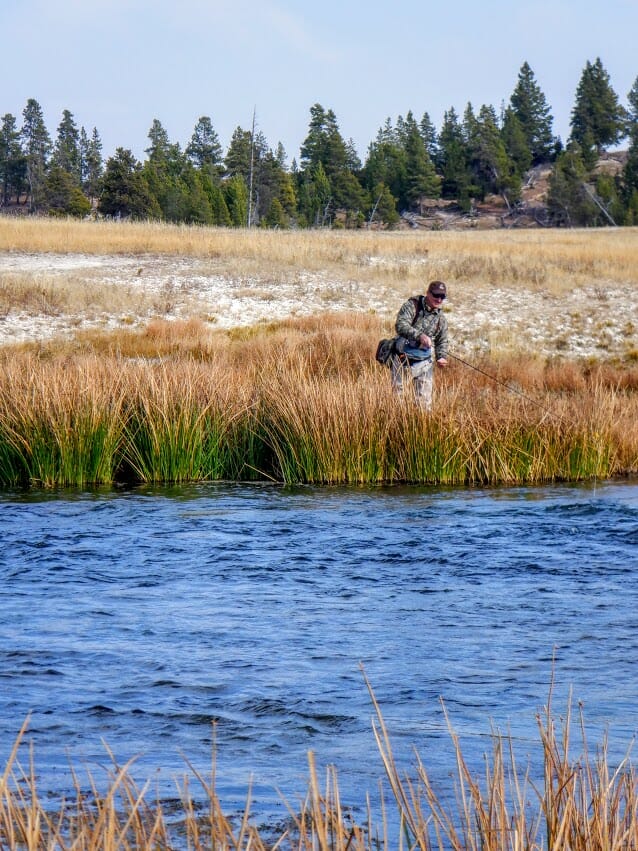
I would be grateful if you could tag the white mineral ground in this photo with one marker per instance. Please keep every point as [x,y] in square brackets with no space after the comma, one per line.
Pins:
[584,322]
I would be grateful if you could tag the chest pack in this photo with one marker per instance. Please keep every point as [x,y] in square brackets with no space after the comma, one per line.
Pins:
[387,347]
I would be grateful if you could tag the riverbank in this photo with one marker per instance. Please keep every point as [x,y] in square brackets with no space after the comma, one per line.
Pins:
[301,402]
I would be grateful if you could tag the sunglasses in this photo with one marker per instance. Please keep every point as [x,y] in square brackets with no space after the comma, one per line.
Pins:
[438,295]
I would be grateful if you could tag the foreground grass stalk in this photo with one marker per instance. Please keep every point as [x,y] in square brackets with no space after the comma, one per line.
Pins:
[582,804]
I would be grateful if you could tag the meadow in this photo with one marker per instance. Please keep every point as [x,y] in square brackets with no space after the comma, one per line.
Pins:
[558,260]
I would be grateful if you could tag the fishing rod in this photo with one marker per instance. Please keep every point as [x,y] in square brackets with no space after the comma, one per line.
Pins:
[507,386]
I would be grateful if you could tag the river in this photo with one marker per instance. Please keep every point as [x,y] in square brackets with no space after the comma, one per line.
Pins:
[137,618]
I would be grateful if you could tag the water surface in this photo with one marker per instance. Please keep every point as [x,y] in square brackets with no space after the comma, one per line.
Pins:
[139,618]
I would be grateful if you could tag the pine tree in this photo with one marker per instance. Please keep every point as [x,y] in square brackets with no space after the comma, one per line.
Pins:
[204,149]
[240,153]
[125,192]
[515,141]
[353,163]
[534,114]
[312,150]
[36,144]
[324,143]
[216,200]
[62,194]
[385,162]
[12,161]
[598,119]
[608,195]
[197,208]
[630,171]
[91,167]
[490,165]
[453,160]
[275,216]
[428,134]
[384,208]
[315,197]
[287,194]
[349,195]
[632,112]
[470,127]
[568,202]
[400,130]
[160,145]
[164,171]
[236,196]
[66,151]
[329,171]
[280,155]
[421,180]
[249,157]
[272,182]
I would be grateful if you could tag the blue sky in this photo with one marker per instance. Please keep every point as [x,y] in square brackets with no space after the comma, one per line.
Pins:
[119,64]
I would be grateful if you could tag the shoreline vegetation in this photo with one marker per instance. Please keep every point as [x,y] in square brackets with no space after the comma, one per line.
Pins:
[301,400]
[558,800]
[292,404]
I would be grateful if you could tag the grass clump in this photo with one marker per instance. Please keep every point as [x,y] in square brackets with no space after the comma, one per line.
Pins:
[60,425]
[183,427]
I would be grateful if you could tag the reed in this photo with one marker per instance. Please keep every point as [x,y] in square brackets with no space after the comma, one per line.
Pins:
[324,430]
[558,800]
[300,401]
[61,424]
[183,425]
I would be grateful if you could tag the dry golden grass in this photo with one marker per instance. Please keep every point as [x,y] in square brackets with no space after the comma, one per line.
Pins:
[55,295]
[545,259]
[558,801]
[557,292]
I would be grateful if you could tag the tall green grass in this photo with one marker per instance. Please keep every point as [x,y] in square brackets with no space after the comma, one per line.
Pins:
[181,428]
[291,403]
[60,426]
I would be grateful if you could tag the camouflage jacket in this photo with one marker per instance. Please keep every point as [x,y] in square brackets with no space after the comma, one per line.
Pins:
[412,322]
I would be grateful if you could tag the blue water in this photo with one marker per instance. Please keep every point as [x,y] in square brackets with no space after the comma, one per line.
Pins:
[137,618]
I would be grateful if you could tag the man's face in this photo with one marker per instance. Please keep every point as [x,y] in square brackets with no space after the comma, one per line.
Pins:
[434,299]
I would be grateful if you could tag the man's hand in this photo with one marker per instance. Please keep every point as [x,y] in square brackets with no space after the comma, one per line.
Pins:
[425,342]
[442,362]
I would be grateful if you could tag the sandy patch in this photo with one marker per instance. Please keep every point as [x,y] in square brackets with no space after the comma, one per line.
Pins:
[585,322]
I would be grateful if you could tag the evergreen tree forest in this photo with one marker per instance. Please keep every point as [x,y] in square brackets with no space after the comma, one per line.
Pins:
[475,155]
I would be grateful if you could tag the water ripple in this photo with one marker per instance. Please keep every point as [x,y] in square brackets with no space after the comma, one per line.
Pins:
[149,617]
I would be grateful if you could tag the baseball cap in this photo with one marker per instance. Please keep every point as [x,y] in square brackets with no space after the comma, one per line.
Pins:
[437,288]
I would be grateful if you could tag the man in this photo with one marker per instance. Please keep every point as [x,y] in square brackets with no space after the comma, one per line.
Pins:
[422,329]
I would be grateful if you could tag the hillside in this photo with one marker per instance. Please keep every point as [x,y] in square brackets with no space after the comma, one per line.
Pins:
[493,212]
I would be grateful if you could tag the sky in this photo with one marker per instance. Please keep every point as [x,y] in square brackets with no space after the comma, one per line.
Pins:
[117,65]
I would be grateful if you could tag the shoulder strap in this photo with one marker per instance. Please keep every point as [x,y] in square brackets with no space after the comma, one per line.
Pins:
[419,303]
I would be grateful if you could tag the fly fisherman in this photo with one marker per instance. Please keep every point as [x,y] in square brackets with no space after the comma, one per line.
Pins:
[422,329]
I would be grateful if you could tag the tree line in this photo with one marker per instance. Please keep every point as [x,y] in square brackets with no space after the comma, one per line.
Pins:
[471,156]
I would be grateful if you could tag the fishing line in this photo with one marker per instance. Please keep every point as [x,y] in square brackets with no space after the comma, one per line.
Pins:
[507,386]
